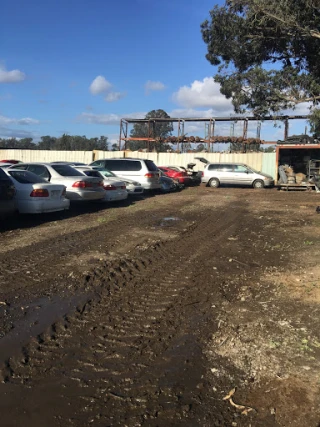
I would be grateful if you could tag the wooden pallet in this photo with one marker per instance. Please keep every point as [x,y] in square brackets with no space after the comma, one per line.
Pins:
[300,187]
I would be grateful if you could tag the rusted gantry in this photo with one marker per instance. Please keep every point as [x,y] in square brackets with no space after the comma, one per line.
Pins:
[209,137]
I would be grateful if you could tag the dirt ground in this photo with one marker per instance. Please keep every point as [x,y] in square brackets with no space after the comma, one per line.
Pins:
[198,308]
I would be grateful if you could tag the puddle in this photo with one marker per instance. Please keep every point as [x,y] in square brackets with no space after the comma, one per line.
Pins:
[171,218]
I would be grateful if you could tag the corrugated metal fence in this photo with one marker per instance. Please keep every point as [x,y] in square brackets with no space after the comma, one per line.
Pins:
[265,162]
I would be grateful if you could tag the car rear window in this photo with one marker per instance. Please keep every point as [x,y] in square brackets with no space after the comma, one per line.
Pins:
[151,166]
[93,173]
[123,165]
[65,170]
[25,177]
[106,172]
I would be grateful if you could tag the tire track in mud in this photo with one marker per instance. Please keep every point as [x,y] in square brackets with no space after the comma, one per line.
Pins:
[117,353]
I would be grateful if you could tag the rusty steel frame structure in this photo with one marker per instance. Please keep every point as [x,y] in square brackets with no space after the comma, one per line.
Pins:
[209,128]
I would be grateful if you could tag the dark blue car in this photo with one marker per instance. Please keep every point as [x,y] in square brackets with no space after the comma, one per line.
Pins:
[7,192]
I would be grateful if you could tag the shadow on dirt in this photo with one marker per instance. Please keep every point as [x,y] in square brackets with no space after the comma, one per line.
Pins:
[20,221]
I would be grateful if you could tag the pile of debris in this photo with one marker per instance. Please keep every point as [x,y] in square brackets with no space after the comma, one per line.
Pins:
[299,140]
[288,176]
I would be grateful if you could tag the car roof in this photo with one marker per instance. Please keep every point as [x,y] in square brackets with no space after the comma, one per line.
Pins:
[227,163]
[124,158]
[33,163]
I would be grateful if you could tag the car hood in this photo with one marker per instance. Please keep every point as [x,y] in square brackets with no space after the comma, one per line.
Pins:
[265,175]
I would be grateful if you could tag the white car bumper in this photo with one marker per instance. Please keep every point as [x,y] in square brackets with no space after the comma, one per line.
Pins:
[41,206]
[115,195]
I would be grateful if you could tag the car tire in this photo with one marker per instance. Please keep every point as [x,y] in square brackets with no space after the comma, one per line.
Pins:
[214,183]
[258,183]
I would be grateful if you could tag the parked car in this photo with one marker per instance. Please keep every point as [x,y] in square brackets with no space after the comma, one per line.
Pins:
[134,188]
[5,165]
[215,174]
[12,162]
[36,195]
[177,174]
[141,170]
[195,177]
[115,190]
[78,186]
[7,192]
[169,185]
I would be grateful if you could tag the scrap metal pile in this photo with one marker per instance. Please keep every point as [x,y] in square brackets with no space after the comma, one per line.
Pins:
[299,139]
[225,139]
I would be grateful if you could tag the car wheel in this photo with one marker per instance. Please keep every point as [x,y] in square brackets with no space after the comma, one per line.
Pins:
[214,183]
[258,184]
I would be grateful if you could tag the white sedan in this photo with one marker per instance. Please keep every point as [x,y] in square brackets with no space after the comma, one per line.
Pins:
[134,188]
[36,195]
[79,187]
[115,190]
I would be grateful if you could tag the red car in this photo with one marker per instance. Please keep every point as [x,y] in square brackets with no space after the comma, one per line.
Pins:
[14,162]
[178,175]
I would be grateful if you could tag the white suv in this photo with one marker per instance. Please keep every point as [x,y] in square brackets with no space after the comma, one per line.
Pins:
[142,170]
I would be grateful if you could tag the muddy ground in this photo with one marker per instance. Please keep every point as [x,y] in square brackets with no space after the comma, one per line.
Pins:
[199,308]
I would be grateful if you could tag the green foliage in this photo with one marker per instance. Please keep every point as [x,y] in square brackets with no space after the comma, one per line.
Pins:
[270,149]
[157,130]
[65,142]
[267,53]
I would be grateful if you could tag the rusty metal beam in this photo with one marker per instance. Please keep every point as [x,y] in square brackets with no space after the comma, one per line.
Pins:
[218,119]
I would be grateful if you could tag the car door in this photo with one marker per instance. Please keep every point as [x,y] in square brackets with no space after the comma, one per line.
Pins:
[225,174]
[242,175]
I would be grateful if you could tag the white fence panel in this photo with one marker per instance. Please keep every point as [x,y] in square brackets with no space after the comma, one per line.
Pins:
[265,162]
[47,155]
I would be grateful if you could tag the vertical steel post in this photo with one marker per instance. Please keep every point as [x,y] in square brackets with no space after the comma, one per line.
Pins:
[259,130]
[212,133]
[245,129]
[120,135]
[286,128]
[148,141]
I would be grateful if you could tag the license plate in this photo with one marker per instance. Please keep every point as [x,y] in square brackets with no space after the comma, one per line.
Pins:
[55,194]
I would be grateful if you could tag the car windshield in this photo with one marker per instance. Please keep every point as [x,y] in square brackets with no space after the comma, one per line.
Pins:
[25,177]
[106,172]
[253,170]
[66,170]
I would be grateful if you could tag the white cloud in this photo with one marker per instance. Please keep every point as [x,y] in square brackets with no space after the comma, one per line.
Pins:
[202,94]
[12,121]
[153,86]
[13,76]
[107,119]
[100,85]
[114,96]
[16,133]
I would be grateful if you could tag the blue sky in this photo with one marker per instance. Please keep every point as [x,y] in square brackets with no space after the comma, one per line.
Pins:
[77,67]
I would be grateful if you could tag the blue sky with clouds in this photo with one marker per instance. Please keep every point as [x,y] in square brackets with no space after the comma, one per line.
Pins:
[77,67]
